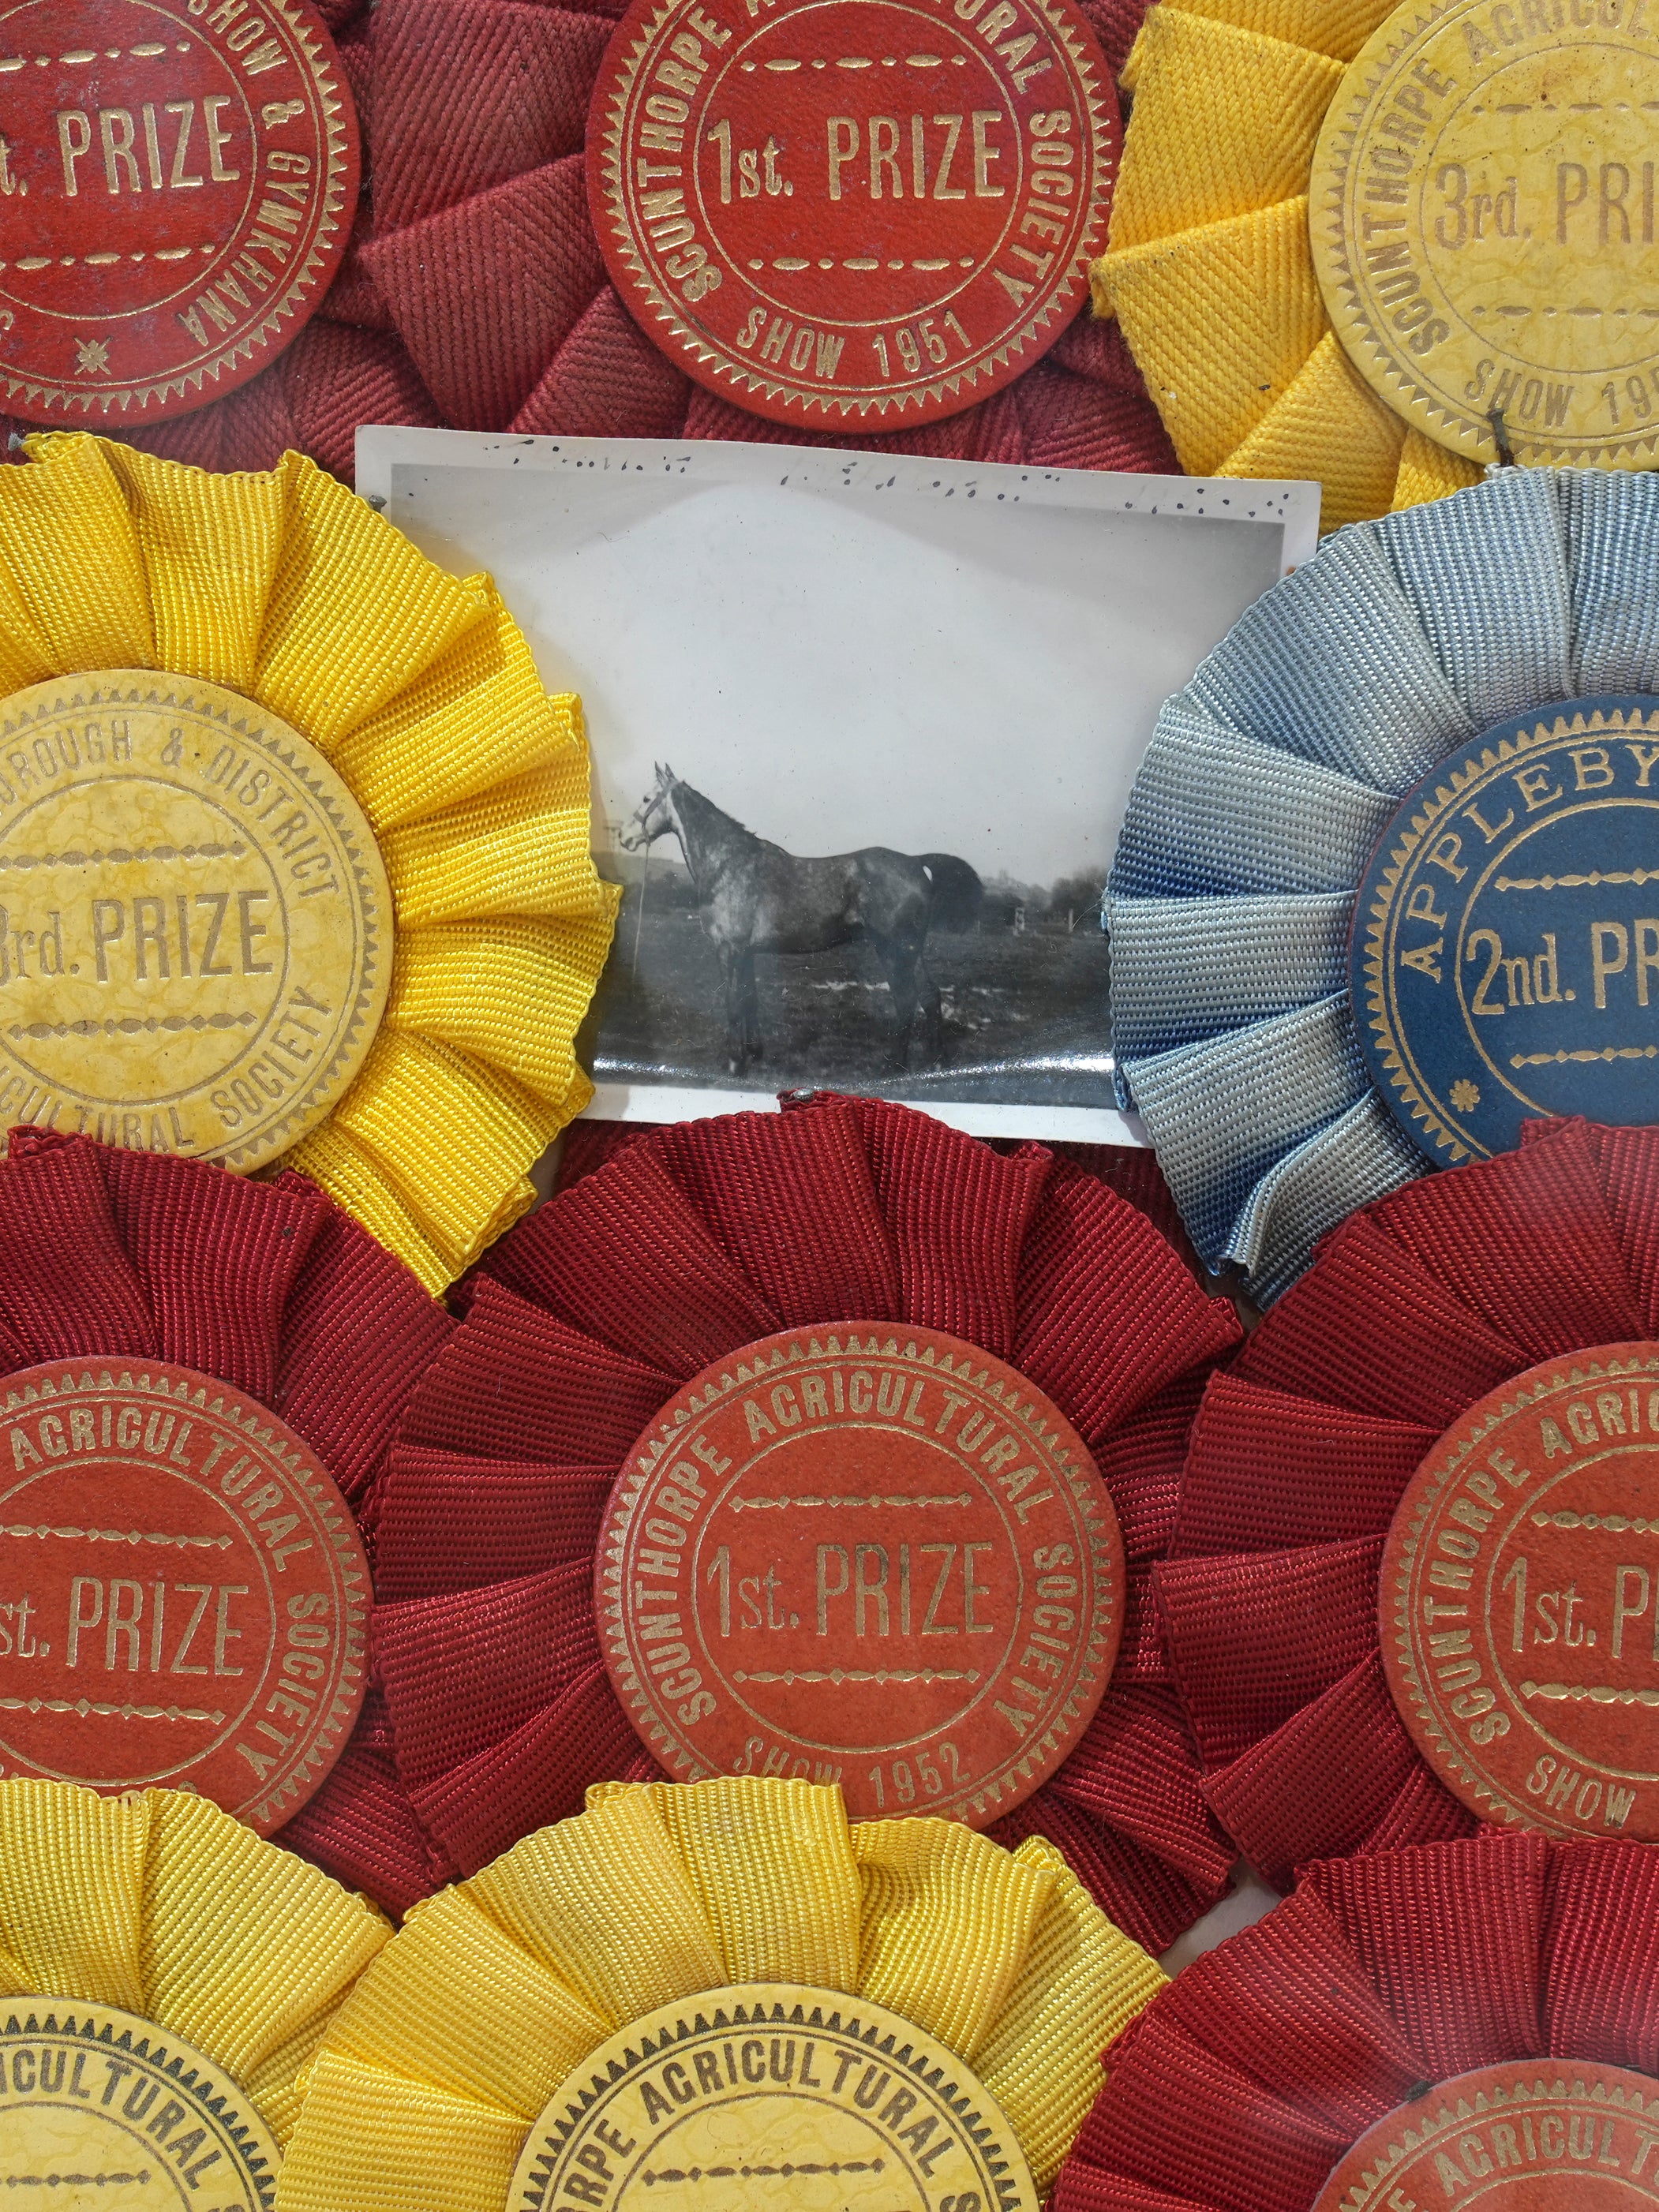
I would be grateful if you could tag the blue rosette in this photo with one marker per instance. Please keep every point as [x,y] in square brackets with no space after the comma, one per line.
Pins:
[1388,878]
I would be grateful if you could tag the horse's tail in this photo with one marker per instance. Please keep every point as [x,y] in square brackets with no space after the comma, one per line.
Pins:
[957,891]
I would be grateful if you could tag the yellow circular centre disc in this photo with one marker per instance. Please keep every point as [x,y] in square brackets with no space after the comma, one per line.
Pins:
[194,920]
[743,2098]
[99,2107]
[1482,207]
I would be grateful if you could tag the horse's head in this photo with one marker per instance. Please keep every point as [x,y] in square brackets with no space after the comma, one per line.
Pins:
[654,816]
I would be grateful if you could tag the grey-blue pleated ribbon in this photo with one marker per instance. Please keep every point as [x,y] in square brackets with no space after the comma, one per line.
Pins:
[1267,784]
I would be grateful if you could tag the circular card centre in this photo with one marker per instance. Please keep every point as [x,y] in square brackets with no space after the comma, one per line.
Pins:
[717,2101]
[183,1592]
[1520,1599]
[853,208]
[177,184]
[192,916]
[1482,213]
[1505,952]
[98,2107]
[876,1560]
[1543,2134]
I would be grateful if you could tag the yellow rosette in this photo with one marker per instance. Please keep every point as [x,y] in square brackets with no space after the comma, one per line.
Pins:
[1210,271]
[166,1978]
[693,1991]
[293,845]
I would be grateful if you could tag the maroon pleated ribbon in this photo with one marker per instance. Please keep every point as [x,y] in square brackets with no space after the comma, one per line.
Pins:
[1253,2074]
[475,295]
[680,1248]
[269,1286]
[1414,1309]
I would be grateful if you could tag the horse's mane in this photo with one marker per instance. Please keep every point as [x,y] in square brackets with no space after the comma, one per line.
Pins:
[704,816]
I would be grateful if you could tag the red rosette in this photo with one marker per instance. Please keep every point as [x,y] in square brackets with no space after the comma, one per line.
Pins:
[1415,1309]
[683,1247]
[1355,2014]
[475,296]
[347,366]
[110,1254]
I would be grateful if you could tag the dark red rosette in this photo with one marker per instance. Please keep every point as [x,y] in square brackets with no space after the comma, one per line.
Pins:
[483,252]
[348,366]
[269,1287]
[1415,1308]
[683,1246]
[475,296]
[1251,2075]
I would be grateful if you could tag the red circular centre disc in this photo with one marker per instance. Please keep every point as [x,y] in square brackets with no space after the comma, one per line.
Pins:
[874,210]
[183,1593]
[881,1560]
[1538,2134]
[178,179]
[1520,1599]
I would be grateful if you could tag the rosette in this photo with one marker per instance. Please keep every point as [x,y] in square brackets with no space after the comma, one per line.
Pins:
[709,1988]
[1455,2023]
[202,1376]
[1345,245]
[1420,755]
[1210,272]
[1338,1577]
[842,1307]
[167,1977]
[293,846]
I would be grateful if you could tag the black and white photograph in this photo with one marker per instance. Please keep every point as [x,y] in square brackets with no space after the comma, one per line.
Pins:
[902,971]
[863,733]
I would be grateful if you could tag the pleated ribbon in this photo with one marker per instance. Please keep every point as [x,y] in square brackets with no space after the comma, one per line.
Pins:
[1415,1308]
[1267,784]
[420,690]
[475,295]
[686,1245]
[473,2016]
[1253,2074]
[161,1905]
[106,1254]
[1209,270]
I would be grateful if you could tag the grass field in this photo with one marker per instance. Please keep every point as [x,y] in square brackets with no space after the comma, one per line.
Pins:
[1024,1015]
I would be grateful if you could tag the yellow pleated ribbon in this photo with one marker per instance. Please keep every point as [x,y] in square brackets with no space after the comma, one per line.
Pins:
[421,689]
[165,1906]
[496,1990]
[1209,270]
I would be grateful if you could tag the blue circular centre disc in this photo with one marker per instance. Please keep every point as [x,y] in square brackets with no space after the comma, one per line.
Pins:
[1504,961]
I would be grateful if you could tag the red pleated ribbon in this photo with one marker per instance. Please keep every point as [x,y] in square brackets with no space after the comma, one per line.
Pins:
[475,295]
[683,1245]
[1251,2075]
[270,1287]
[1412,1310]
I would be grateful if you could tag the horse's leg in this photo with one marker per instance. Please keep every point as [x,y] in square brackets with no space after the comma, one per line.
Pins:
[900,959]
[749,1006]
[933,1013]
[731,983]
